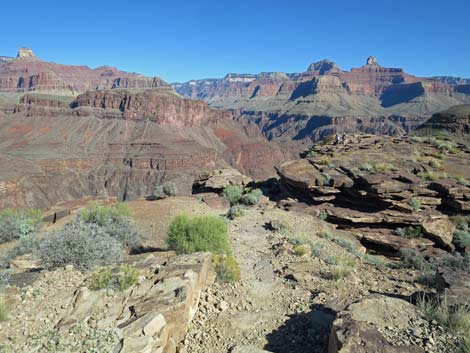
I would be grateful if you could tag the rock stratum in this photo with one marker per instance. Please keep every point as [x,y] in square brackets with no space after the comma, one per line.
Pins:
[309,105]
[121,136]
[27,73]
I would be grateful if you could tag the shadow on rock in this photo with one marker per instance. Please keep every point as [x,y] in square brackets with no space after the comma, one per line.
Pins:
[302,333]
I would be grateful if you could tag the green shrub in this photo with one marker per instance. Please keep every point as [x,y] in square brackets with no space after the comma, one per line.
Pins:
[188,234]
[233,194]
[251,197]
[340,272]
[327,179]
[409,232]
[461,238]
[367,167]
[301,250]
[128,276]
[456,261]
[168,188]
[466,345]
[462,181]
[411,258]
[85,245]
[417,157]
[102,215]
[235,211]
[311,154]
[438,155]
[432,176]
[100,278]
[415,204]
[3,310]
[4,279]
[18,223]
[454,318]
[124,231]
[323,215]
[25,245]
[381,167]
[434,163]
[226,268]
[325,160]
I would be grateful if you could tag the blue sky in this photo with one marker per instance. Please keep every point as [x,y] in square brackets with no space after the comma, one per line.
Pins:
[183,40]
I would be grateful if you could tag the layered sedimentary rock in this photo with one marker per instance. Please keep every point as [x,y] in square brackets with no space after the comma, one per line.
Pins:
[324,90]
[119,143]
[26,73]
[404,202]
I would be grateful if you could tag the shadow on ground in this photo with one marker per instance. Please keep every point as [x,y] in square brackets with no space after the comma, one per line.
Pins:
[302,333]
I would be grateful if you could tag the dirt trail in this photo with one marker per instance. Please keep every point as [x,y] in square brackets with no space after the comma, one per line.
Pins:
[263,309]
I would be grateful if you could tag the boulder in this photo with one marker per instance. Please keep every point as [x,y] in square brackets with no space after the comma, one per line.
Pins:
[25,262]
[440,230]
[217,180]
[359,328]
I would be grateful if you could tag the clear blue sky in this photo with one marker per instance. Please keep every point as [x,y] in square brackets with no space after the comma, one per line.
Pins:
[183,40]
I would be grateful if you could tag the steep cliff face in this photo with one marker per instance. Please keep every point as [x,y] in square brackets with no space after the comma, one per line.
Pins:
[27,73]
[119,143]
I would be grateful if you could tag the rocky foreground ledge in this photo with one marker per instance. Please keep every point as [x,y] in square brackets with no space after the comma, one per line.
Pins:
[151,317]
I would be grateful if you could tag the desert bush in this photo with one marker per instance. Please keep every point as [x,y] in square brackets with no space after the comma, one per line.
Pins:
[301,250]
[367,167]
[466,344]
[325,160]
[188,234]
[100,278]
[432,176]
[461,238]
[323,215]
[233,194]
[124,231]
[25,245]
[438,155]
[18,223]
[411,258]
[4,279]
[456,261]
[339,272]
[251,197]
[128,276]
[434,163]
[226,268]
[454,318]
[327,179]
[462,181]
[381,167]
[427,277]
[115,220]
[417,157]
[311,154]
[409,232]
[168,188]
[235,211]
[415,204]
[102,215]
[3,310]
[85,245]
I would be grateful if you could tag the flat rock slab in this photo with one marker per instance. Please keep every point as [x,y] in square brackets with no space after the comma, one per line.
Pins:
[247,349]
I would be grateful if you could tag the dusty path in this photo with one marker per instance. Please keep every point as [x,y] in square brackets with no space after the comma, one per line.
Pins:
[263,309]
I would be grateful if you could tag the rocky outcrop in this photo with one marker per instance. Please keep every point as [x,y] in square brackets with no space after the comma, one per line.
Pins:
[380,324]
[154,105]
[455,120]
[385,205]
